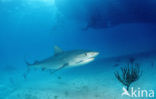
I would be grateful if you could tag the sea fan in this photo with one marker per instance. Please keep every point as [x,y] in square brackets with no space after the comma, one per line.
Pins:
[129,74]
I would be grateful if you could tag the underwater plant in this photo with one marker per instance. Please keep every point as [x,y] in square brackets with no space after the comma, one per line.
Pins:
[129,74]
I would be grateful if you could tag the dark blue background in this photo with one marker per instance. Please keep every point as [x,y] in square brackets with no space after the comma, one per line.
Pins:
[30,28]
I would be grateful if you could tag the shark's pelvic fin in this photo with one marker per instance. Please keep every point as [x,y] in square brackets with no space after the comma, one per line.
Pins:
[57,50]
[60,68]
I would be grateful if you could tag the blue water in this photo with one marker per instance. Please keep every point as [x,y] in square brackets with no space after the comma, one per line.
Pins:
[117,29]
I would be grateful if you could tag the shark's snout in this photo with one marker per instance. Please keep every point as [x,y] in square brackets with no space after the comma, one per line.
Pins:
[96,53]
[93,54]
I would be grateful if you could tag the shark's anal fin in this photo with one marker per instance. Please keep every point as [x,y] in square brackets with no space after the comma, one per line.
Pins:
[66,64]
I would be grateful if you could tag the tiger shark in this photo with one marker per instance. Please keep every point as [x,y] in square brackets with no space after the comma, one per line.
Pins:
[62,59]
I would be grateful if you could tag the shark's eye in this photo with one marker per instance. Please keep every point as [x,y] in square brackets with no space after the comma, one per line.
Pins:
[85,54]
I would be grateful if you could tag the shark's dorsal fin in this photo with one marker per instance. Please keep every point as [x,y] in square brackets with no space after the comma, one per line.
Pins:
[57,50]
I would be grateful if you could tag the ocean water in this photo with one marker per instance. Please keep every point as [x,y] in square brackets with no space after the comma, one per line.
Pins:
[122,31]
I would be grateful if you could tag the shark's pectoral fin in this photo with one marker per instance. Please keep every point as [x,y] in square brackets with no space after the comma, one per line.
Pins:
[64,65]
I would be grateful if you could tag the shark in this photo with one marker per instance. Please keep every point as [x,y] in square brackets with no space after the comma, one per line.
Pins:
[62,59]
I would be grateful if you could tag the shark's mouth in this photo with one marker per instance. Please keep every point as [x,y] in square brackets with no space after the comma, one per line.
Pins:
[88,60]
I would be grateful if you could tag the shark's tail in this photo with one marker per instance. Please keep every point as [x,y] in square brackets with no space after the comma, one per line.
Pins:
[26,62]
[28,68]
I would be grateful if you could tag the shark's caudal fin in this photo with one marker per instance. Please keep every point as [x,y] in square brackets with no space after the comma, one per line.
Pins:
[57,50]
[27,63]
[25,74]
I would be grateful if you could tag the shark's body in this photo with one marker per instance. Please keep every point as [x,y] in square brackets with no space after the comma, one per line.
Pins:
[63,59]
